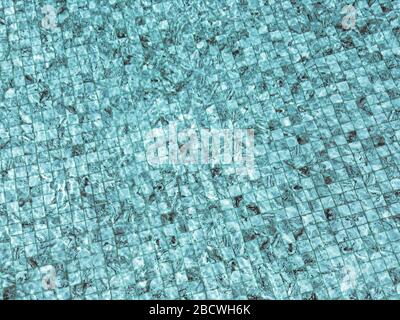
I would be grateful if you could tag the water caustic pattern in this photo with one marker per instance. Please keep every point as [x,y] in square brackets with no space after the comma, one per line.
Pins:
[84,215]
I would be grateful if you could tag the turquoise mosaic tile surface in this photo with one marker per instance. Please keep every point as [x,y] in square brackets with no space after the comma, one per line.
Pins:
[83,215]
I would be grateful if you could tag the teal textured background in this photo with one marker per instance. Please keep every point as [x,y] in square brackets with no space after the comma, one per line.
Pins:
[320,220]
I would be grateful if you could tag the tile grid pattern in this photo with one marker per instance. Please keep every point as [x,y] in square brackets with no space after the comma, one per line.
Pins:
[319,221]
